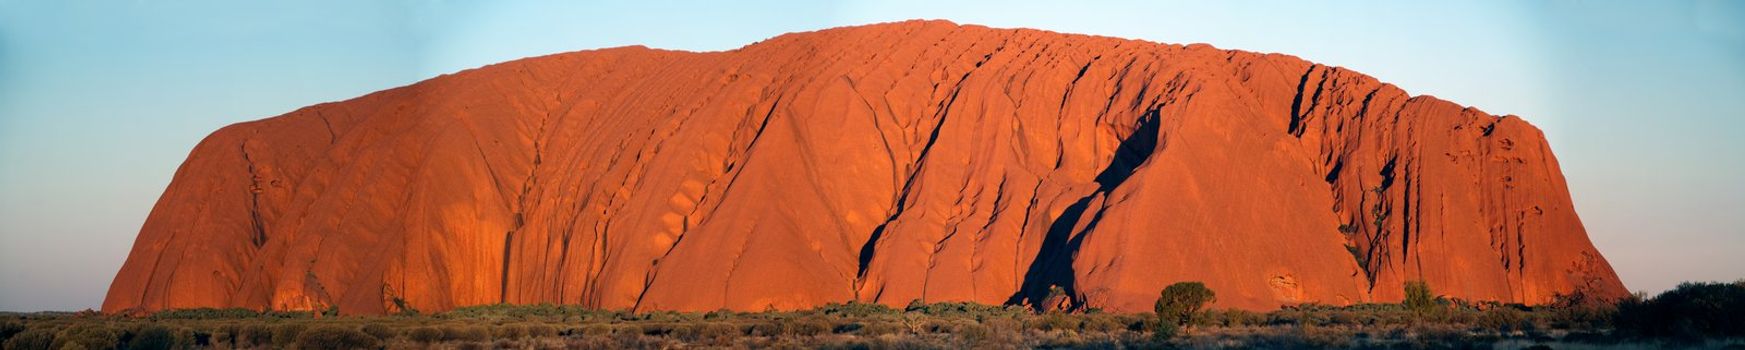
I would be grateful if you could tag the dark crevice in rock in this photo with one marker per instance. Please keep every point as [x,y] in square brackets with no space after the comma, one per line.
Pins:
[1052,267]
[1132,152]
[1367,98]
[1333,174]
[868,249]
[1297,109]
[254,200]
[1075,81]
[1387,173]
[521,208]
[331,137]
[1405,216]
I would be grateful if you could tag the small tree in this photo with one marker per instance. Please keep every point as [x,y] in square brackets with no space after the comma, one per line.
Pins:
[1179,304]
[1418,297]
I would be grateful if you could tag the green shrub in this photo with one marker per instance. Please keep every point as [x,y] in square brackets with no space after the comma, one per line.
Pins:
[707,332]
[935,325]
[656,329]
[878,328]
[380,331]
[335,337]
[1102,323]
[87,336]
[1316,337]
[256,335]
[509,331]
[858,309]
[1592,316]
[1505,319]
[425,335]
[596,329]
[1691,310]
[153,337]
[286,333]
[1231,318]
[966,310]
[915,305]
[32,339]
[540,330]
[1179,304]
[9,329]
[971,332]
[808,326]
[1056,320]
[465,333]
[224,334]
[1418,297]
[204,314]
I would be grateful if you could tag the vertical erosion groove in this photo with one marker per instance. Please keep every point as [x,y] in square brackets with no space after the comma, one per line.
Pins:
[871,246]
[254,200]
[519,212]
[1297,110]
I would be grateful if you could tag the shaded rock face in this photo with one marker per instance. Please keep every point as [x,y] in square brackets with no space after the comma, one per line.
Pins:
[884,163]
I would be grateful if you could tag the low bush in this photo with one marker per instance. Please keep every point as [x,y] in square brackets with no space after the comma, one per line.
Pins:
[965,309]
[708,332]
[1055,320]
[335,337]
[425,335]
[808,326]
[1505,319]
[596,329]
[539,330]
[465,333]
[205,314]
[380,331]
[858,310]
[87,336]
[9,329]
[1231,318]
[285,333]
[766,329]
[878,328]
[509,331]
[655,329]
[1102,323]
[971,332]
[256,335]
[1592,316]
[32,339]
[154,337]
[1691,310]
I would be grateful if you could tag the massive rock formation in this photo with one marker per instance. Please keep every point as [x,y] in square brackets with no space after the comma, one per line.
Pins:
[883,163]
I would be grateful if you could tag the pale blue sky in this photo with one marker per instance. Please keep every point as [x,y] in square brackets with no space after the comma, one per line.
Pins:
[101,100]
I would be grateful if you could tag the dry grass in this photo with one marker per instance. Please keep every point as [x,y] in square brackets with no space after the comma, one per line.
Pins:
[850,326]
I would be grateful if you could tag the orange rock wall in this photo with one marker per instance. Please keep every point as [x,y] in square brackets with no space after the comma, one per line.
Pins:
[882,163]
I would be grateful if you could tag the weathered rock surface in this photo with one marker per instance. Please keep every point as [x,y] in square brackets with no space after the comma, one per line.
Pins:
[882,163]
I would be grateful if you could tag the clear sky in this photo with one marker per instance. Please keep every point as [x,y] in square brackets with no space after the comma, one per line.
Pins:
[1644,102]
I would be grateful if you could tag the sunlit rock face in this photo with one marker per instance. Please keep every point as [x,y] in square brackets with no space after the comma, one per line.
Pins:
[885,163]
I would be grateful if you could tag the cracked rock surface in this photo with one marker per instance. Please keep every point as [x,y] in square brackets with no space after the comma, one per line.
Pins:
[886,163]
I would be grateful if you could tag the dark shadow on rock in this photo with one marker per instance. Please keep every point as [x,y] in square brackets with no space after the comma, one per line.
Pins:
[1053,264]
